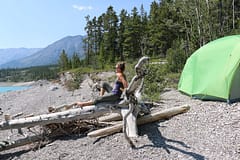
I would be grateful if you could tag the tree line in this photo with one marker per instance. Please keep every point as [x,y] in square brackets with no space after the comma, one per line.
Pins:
[66,63]
[29,74]
[172,29]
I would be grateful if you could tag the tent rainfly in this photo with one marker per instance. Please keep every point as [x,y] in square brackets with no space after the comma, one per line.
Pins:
[213,71]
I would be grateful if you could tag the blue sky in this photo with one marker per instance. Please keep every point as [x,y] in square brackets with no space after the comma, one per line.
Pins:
[38,23]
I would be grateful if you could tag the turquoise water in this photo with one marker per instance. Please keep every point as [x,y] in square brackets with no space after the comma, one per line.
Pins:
[12,88]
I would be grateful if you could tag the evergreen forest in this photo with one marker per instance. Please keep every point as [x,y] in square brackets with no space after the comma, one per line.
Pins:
[171,31]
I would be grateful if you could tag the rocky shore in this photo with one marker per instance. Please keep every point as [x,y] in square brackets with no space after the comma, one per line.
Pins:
[209,130]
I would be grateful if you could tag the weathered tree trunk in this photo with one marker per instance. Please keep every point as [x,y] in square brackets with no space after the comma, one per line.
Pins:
[233,14]
[198,25]
[167,113]
[130,118]
[57,117]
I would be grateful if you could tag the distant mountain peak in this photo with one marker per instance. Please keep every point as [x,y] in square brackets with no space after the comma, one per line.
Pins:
[50,54]
[10,54]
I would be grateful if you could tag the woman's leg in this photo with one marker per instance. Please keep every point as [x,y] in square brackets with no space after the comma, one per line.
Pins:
[105,87]
[82,104]
[111,98]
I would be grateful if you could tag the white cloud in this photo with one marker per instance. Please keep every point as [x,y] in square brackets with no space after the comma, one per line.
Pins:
[82,8]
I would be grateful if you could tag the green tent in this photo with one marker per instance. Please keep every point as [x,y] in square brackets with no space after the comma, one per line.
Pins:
[213,71]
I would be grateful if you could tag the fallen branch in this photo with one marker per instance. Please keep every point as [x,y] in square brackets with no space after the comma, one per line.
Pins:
[165,114]
[110,117]
[5,145]
[17,115]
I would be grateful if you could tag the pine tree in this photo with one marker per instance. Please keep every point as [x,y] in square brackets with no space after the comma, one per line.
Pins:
[63,61]
[110,35]
[121,30]
[132,34]
[75,61]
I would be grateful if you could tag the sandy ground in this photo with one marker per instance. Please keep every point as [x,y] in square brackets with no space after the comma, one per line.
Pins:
[209,130]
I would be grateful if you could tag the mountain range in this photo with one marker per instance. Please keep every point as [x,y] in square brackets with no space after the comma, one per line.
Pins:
[11,54]
[29,57]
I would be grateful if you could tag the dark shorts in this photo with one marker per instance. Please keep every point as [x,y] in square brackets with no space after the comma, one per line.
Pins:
[109,97]
[106,86]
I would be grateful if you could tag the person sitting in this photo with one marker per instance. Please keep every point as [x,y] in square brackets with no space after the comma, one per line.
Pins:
[114,94]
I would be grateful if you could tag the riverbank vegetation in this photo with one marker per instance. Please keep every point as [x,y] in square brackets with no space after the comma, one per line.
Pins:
[29,74]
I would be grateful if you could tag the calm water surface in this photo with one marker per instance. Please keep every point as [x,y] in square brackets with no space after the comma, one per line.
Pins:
[12,88]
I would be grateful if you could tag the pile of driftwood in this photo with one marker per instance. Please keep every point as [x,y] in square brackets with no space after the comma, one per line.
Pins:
[91,120]
[87,120]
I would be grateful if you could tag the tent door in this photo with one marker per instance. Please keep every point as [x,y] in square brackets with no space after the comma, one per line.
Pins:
[235,86]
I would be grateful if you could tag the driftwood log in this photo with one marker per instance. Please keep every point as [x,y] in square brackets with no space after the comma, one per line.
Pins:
[165,114]
[57,117]
[110,117]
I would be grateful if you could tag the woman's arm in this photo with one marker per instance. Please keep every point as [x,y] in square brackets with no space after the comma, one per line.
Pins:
[123,80]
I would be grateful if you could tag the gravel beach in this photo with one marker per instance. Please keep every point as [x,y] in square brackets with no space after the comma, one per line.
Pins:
[209,130]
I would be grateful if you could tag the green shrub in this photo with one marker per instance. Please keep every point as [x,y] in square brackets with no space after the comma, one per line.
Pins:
[176,57]
[154,81]
[74,83]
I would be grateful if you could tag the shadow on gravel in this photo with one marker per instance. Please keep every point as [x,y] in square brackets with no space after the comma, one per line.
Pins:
[13,155]
[157,139]
[17,154]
